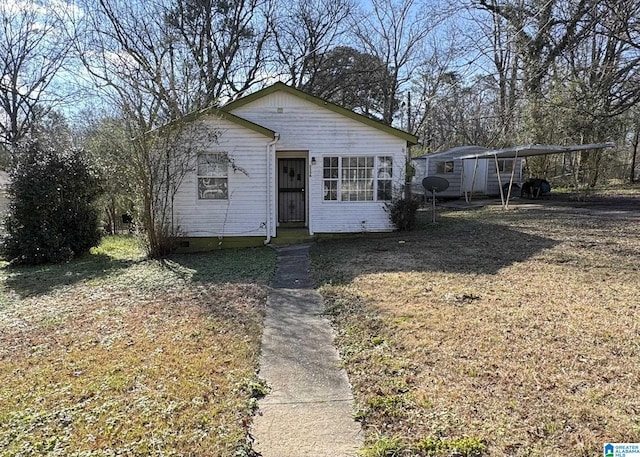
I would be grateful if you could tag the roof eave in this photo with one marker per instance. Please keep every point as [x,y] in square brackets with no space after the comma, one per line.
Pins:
[217,112]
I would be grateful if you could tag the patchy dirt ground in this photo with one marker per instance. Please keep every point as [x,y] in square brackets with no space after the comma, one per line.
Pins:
[517,330]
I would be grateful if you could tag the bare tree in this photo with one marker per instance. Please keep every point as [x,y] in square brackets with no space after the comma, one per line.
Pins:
[431,86]
[543,31]
[597,83]
[304,32]
[351,79]
[33,50]
[394,31]
[143,71]
[492,40]
[225,40]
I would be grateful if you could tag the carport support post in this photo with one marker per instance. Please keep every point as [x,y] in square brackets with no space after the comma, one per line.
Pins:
[495,156]
[513,172]
[473,180]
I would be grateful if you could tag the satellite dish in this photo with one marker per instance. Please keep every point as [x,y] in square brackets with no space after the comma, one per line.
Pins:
[434,184]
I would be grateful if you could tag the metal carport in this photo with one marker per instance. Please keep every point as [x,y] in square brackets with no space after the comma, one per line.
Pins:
[525,151]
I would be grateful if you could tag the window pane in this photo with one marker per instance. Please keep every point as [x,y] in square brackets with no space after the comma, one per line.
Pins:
[330,162]
[384,190]
[330,170]
[385,168]
[357,178]
[444,167]
[331,190]
[212,188]
[505,165]
[212,164]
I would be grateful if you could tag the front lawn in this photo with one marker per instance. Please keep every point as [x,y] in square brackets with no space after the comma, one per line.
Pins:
[116,355]
[492,333]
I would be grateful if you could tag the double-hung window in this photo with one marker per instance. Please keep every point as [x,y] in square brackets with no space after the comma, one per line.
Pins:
[357,178]
[212,172]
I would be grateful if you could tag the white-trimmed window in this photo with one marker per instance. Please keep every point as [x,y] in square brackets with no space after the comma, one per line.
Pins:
[444,167]
[505,165]
[357,178]
[212,176]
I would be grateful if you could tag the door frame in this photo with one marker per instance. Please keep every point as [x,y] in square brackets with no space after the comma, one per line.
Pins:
[297,154]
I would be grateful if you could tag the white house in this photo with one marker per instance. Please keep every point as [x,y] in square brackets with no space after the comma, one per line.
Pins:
[283,159]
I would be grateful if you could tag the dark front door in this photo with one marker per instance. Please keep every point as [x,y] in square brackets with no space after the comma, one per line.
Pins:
[291,200]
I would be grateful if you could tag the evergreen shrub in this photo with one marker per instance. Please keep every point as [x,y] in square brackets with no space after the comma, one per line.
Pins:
[51,215]
[402,213]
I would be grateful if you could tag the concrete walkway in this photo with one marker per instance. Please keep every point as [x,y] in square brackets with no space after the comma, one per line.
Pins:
[309,411]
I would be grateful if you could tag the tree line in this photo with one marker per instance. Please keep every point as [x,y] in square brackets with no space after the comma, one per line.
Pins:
[100,74]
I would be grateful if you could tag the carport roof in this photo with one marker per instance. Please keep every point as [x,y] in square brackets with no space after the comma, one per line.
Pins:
[479,152]
[532,150]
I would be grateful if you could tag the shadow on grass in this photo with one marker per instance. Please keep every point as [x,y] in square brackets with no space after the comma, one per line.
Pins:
[228,266]
[41,279]
[224,266]
[454,244]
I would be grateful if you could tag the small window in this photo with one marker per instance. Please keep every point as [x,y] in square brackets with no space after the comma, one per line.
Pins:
[212,176]
[505,165]
[444,167]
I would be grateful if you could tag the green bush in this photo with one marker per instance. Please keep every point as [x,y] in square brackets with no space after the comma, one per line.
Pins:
[51,216]
[402,213]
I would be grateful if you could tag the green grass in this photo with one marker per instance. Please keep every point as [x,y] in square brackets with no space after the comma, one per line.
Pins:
[493,333]
[113,354]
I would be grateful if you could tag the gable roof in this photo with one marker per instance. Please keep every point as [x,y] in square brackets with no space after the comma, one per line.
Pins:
[233,118]
[281,87]
[212,111]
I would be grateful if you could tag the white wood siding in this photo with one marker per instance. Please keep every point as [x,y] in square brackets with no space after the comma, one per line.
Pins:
[244,213]
[305,126]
